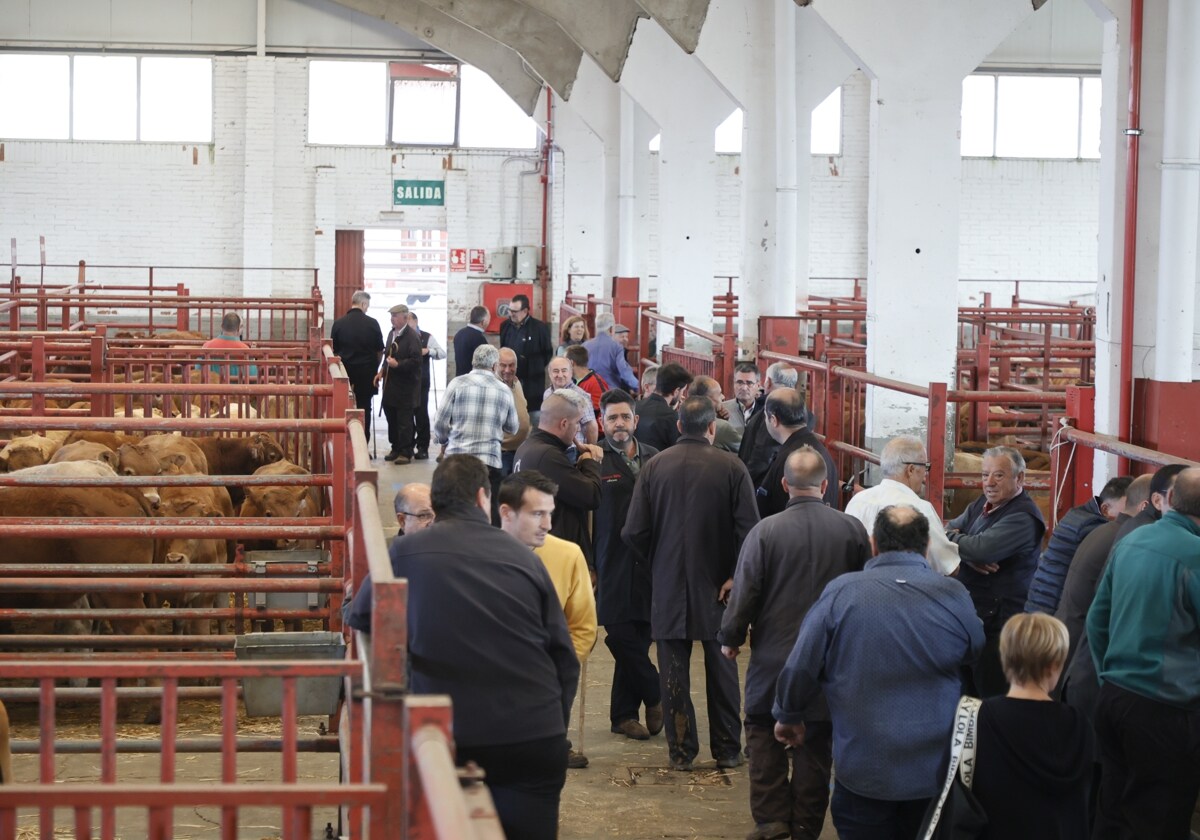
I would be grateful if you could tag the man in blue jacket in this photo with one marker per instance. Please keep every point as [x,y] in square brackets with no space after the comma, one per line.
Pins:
[1144,630]
[606,355]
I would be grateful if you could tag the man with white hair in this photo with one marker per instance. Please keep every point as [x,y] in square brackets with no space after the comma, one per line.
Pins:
[476,413]
[904,466]
[607,356]
[560,370]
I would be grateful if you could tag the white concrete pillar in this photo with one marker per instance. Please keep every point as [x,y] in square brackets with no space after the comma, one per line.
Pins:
[627,189]
[917,54]
[788,146]
[258,184]
[1179,226]
[325,231]
[585,223]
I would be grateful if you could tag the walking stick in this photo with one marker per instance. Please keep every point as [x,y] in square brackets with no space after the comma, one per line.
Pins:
[582,701]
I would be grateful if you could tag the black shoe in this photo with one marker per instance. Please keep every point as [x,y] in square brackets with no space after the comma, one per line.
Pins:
[681,764]
[730,761]
[392,456]
[421,455]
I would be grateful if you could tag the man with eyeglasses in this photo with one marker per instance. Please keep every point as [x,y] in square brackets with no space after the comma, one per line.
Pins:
[999,540]
[529,338]
[745,396]
[904,465]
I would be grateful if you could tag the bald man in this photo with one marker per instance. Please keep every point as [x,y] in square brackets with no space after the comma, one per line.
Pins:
[785,564]
[785,420]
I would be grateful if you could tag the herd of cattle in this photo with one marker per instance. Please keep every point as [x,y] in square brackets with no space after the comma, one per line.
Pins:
[96,454]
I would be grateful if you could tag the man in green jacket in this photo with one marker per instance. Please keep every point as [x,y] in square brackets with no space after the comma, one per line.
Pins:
[1144,629]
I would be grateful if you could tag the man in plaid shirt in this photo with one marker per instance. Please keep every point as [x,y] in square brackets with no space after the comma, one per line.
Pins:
[476,413]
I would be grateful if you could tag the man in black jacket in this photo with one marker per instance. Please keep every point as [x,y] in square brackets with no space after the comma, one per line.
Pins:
[758,447]
[545,450]
[358,342]
[691,509]
[508,664]
[658,422]
[784,420]
[623,584]
[784,566]
[401,377]
[999,538]
[530,340]
[470,337]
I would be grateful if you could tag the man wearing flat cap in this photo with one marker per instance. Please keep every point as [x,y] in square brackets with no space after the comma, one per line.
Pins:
[401,376]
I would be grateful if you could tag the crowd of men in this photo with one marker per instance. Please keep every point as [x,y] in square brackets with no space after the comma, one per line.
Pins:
[863,627]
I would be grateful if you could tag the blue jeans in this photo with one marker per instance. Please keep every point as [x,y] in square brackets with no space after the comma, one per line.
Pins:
[860,818]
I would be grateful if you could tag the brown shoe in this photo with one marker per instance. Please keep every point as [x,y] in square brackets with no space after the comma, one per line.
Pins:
[770,831]
[631,729]
[654,719]
[576,760]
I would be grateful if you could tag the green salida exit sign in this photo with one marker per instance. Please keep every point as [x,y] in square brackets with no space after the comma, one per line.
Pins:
[416,193]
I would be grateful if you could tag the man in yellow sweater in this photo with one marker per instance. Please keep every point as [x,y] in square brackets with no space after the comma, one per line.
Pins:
[526,501]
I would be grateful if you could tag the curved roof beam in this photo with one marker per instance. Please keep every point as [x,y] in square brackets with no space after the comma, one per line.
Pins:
[603,30]
[537,37]
[504,65]
[682,19]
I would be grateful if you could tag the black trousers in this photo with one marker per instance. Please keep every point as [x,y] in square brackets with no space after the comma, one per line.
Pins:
[635,679]
[722,694]
[987,674]
[495,476]
[363,385]
[1150,753]
[798,801]
[526,780]
[398,409]
[421,418]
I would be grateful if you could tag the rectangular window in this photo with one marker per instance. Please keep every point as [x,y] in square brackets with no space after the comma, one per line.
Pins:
[826,131]
[1027,116]
[424,104]
[347,103]
[35,97]
[488,117]
[113,98]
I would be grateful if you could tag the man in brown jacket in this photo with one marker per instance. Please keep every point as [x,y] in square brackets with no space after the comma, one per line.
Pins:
[692,507]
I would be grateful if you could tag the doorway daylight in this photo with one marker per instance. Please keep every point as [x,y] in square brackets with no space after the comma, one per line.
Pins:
[409,266]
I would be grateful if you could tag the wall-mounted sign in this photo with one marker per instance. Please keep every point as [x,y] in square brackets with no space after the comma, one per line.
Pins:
[410,193]
[478,258]
[458,259]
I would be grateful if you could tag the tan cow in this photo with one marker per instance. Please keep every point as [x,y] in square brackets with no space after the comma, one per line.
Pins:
[197,502]
[85,450]
[27,451]
[113,440]
[239,456]
[162,455]
[295,501]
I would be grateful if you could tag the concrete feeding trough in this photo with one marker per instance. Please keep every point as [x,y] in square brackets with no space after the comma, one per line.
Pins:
[314,695]
[261,561]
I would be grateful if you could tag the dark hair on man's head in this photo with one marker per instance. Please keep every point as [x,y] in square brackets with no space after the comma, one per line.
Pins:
[1186,496]
[478,315]
[695,414]
[1164,479]
[901,528]
[615,396]
[521,299]
[513,487]
[786,406]
[457,481]
[231,323]
[577,354]
[1116,488]
[746,367]
[671,377]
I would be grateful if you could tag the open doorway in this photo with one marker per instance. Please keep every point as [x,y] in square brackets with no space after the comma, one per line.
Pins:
[410,266]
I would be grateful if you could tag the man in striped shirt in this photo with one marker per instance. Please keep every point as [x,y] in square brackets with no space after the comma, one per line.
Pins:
[476,413]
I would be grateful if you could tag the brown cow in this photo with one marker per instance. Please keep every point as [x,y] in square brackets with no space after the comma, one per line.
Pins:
[239,456]
[113,440]
[6,774]
[85,450]
[294,501]
[27,451]
[197,502]
[162,454]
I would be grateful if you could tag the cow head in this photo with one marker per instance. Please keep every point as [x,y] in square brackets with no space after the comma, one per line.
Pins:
[264,449]
[191,502]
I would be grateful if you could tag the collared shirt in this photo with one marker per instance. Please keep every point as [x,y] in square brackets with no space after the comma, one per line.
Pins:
[887,646]
[476,413]
[634,463]
[865,506]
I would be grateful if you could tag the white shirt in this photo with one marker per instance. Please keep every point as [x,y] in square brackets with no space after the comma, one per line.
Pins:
[865,506]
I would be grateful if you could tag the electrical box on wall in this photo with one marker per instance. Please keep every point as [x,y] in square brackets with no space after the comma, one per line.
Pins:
[527,262]
[500,264]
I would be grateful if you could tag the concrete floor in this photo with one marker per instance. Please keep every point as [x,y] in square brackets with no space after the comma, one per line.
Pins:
[626,791]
